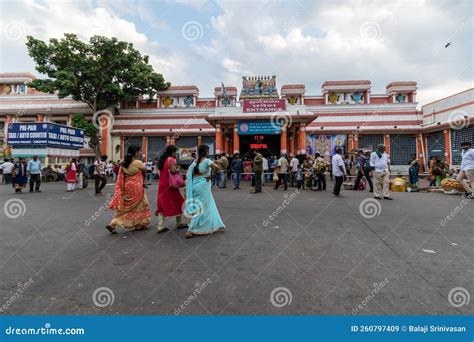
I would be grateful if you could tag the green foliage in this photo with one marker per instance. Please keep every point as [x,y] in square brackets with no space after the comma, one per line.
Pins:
[80,121]
[101,73]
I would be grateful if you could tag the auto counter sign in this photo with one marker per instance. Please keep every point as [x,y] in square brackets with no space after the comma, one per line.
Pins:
[41,134]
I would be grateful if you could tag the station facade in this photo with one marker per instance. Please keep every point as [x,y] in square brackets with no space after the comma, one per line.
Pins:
[284,120]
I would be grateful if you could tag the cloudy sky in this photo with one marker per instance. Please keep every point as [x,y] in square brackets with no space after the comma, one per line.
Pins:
[204,42]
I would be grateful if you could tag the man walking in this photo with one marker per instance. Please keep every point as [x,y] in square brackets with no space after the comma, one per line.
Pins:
[363,170]
[265,170]
[7,167]
[100,177]
[380,164]
[282,171]
[236,168]
[294,163]
[258,169]
[339,171]
[34,172]
[467,169]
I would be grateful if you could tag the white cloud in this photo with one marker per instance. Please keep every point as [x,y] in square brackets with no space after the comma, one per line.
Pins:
[300,42]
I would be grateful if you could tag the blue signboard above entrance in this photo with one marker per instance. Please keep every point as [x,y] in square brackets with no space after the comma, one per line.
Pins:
[45,134]
[259,127]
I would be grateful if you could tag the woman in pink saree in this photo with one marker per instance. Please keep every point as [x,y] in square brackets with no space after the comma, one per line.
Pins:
[130,202]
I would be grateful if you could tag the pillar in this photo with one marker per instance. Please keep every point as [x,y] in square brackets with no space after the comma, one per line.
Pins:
[199,140]
[236,139]
[168,140]
[104,121]
[8,121]
[122,146]
[386,142]
[302,139]
[219,139]
[172,140]
[145,148]
[283,139]
[356,140]
[292,144]
[40,118]
[226,144]
[447,145]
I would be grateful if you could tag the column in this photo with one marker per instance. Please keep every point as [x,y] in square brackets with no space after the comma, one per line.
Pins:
[104,133]
[302,139]
[226,145]
[8,120]
[40,118]
[292,143]
[367,96]
[168,140]
[236,139]
[283,139]
[199,140]
[219,139]
[447,145]
[386,142]
[145,148]
[122,146]
[356,140]
[326,100]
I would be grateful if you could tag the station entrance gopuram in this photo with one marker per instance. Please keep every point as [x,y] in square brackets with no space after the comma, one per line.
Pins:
[263,121]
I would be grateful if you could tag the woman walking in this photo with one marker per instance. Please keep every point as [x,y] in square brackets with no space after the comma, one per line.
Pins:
[20,175]
[170,200]
[71,175]
[130,201]
[200,203]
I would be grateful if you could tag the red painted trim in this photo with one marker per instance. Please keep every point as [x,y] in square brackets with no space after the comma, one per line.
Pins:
[448,109]
[365,123]
[374,113]
[172,126]
[447,97]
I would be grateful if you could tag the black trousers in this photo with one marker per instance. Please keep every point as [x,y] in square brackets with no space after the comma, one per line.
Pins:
[321,181]
[282,177]
[99,181]
[359,177]
[338,184]
[258,181]
[7,178]
[35,182]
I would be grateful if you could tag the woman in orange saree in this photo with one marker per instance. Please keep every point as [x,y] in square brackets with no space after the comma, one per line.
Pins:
[130,201]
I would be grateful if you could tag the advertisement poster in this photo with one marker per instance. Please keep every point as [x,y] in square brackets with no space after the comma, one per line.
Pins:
[185,153]
[323,143]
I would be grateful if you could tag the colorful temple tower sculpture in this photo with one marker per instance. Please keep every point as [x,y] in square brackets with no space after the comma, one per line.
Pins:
[259,87]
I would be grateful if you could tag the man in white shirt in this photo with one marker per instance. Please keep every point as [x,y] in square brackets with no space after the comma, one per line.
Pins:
[339,171]
[467,169]
[7,167]
[294,169]
[380,164]
[100,178]
[282,171]
[265,170]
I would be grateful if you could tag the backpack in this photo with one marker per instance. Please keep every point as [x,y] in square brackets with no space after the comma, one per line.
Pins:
[367,168]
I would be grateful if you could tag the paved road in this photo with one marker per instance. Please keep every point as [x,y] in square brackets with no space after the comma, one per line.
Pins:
[317,255]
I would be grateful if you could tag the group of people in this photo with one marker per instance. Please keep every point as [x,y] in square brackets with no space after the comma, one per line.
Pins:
[130,202]
[18,173]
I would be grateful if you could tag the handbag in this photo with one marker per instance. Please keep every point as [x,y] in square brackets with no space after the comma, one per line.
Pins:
[275,176]
[176,180]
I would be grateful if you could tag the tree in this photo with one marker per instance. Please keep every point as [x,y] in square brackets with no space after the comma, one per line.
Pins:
[80,121]
[101,73]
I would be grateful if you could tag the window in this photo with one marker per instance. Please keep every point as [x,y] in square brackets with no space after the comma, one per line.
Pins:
[458,136]
[402,146]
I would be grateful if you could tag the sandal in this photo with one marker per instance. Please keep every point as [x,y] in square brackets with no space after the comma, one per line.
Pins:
[163,230]
[182,226]
[190,235]
[111,229]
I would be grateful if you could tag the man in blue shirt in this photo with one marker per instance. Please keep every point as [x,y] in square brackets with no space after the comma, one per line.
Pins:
[34,172]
